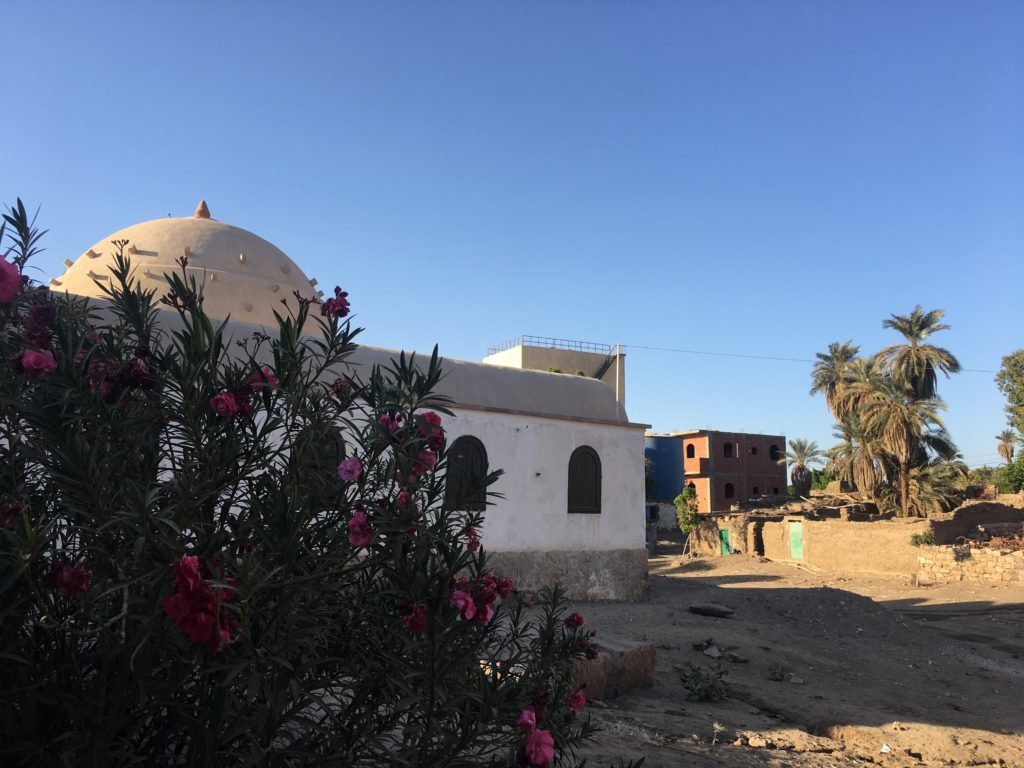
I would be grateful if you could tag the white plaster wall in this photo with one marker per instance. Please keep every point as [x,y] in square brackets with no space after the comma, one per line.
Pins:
[534,453]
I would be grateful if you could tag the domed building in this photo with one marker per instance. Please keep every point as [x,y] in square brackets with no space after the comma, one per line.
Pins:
[242,275]
[573,485]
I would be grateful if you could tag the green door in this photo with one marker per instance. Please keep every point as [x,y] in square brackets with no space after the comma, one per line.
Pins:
[724,535]
[796,540]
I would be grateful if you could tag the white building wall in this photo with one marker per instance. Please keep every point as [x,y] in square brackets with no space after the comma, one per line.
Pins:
[534,454]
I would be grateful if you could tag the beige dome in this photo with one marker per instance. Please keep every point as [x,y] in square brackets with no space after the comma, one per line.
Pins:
[243,276]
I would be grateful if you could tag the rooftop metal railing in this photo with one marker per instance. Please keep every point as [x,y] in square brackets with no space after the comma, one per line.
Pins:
[553,343]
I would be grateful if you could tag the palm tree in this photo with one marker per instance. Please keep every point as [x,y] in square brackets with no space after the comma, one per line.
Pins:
[905,426]
[931,487]
[915,362]
[829,374]
[857,460]
[862,375]
[801,453]
[1007,443]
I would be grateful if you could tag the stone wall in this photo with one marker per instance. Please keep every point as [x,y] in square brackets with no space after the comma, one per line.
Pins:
[943,564]
[962,522]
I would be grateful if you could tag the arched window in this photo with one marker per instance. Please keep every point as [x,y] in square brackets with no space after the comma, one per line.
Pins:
[773,453]
[727,450]
[729,492]
[753,450]
[692,487]
[467,470]
[755,493]
[691,452]
[585,481]
[775,491]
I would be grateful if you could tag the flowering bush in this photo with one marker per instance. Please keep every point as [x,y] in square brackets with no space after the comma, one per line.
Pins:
[238,554]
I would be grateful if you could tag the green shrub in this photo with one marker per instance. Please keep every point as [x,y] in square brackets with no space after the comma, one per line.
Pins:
[686,510]
[923,539]
[227,555]
[706,683]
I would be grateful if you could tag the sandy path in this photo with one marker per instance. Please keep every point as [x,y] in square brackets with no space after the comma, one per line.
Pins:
[935,674]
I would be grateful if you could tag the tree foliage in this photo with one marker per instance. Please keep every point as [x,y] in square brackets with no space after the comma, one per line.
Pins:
[800,455]
[217,554]
[1010,380]
[894,445]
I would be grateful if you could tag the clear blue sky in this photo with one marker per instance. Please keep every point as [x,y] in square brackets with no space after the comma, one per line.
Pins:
[746,177]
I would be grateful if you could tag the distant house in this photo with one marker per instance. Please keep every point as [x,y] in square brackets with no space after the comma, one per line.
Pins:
[725,468]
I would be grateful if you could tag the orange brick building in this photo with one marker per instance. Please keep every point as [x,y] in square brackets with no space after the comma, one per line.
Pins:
[728,467]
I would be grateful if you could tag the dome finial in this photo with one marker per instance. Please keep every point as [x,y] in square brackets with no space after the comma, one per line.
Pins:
[202,212]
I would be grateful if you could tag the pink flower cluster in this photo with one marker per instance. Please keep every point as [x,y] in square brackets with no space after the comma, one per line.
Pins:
[476,601]
[539,747]
[360,534]
[114,380]
[350,469]
[433,431]
[37,363]
[197,607]
[392,422]
[230,405]
[38,325]
[10,281]
[337,306]
[72,580]
[472,539]
[414,618]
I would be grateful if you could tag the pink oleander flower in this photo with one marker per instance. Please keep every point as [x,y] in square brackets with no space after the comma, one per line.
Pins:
[10,281]
[264,377]
[434,419]
[484,613]
[414,619]
[425,461]
[577,702]
[527,720]
[197,606]
[390,421]
[403,498]
[38,325]
[359,531]
[72,580]
[36,363]
[464,602]
[350,469]
[472,539]
[224,404]
[505,587]
[574,621]
[337,306]
[539,748]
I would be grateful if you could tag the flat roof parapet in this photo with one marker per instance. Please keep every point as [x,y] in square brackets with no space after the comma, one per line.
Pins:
[553,343]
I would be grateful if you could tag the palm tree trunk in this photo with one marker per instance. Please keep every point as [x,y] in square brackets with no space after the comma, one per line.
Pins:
[905,489]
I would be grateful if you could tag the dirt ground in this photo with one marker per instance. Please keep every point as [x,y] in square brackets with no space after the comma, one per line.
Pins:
[827,671]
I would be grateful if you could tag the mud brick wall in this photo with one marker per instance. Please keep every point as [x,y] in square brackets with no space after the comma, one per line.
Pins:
[944,564]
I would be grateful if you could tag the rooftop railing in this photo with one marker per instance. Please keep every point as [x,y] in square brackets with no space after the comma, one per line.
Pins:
[553,343]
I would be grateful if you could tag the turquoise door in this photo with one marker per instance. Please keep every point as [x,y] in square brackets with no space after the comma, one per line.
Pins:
[796,540]
[726,549]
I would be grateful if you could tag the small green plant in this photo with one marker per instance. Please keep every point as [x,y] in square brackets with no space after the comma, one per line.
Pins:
[922,539]
[554,369]
[706,683]
[686,510]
